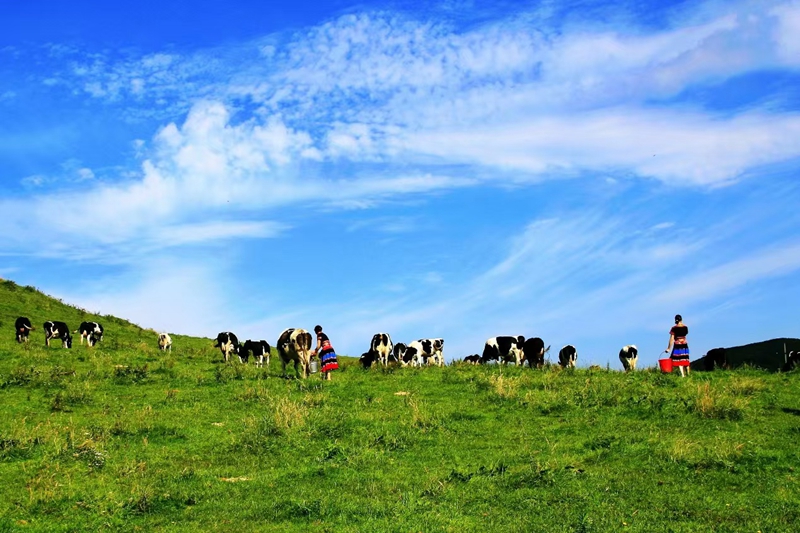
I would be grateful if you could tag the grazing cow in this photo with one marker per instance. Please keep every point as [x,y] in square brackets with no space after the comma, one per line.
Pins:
[91,331]
[503,349]
[405,356]
[628,356]
[716,357]
[567,356]
[23,328]
[473,359]
[427,351]
[164,342]
[227,344]
[295,345]
[381,346]
[792,362]
[57,330]
[368,358]
[533,351]
[259,349]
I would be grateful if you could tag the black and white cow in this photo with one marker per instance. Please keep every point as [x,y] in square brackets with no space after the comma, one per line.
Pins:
[792,362]
[57,330]
[533,351]
[164,342]
[381,346]
[23,328]
[473,359]
[628,356]
[403,355]
[91,331]
[259,349]
[427,351]
[294,345]
[567,356]
[227,344]
[715,356]
[503,349]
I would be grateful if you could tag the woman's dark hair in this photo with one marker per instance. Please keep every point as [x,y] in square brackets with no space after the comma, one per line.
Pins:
[317,329]
[678,318]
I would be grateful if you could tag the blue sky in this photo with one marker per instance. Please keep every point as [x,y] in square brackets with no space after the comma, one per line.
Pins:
[579,171]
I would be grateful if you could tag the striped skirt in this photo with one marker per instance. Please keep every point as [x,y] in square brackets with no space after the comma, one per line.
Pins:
[680,355]
[327,357]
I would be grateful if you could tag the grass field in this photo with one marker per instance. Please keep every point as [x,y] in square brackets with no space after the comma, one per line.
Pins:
[123,437]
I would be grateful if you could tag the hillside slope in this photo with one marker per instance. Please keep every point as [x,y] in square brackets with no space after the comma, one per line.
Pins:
[123,437]
[17,300]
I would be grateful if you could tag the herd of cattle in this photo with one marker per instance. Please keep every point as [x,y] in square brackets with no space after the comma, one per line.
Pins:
[294,346]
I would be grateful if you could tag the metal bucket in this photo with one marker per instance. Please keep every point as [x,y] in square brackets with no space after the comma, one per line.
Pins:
[313,366]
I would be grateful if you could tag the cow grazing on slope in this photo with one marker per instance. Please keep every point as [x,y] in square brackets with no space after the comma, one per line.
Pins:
[427,351]
[164,342]
[368,358]
[294,345]
[381,346]
[23,328]
[628,356]
[473,359]
[227,344]
[57,330]
[403,355]
[533,351]
[568,356]
[715,357]
[503,349]
[259,349]
[91,331]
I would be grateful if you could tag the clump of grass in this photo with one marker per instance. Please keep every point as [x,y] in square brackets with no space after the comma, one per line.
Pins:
[715,404]
[421,417]
[130,374]
[745,386]
[504,386]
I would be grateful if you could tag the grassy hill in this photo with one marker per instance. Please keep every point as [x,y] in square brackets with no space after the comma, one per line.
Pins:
[122,437]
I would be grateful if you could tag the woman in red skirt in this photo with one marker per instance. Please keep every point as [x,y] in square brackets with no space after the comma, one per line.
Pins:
[327,356]
[677,342]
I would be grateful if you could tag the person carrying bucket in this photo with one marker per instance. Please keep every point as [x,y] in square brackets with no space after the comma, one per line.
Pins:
[327,355]
[678,345]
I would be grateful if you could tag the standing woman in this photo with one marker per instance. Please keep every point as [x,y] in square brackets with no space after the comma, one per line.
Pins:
[327,356]
[677,343]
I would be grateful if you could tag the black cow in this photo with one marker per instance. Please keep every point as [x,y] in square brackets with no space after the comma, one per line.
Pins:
[473,359]
[533,351]
[227,344]
[91,331]
[503,349]
[23,328]
[715,357]
[628,356]
[57,330]
[259,349]
[368,358]
[567,356]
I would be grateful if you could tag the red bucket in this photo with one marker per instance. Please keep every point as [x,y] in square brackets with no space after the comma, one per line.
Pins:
[666,365]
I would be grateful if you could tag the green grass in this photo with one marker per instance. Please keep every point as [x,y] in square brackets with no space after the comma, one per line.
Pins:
[123,437]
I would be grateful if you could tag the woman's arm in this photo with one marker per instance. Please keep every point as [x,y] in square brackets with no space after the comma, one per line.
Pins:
[319,344]
[671,342]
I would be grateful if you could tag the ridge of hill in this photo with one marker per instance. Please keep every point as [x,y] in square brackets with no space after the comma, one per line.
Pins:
[768,355]
[17,300]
